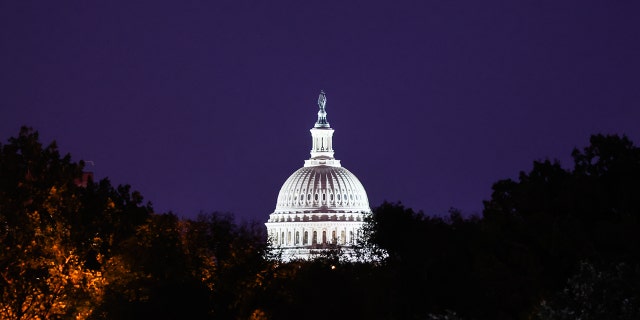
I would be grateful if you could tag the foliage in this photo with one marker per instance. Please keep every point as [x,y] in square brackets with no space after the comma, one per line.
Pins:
[592,293]
[553,244]
[560,217]
[534,232]
[59,239]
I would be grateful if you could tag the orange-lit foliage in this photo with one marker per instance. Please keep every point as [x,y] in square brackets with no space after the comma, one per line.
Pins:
[55,236]
[46,278]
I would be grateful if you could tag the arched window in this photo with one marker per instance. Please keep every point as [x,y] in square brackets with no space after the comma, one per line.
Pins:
[334,239]
[324,237]
[305,238]
[314,239]
[297,237]
[316,197]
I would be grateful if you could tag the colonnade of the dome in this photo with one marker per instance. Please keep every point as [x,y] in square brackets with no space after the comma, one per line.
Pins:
[313,234]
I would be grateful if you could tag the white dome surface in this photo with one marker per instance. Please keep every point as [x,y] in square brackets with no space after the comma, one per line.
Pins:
[322,189]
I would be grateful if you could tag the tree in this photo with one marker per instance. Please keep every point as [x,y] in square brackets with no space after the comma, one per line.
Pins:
[56,235]
[230,258]
[153,276]
[594,293]
[42,275]
[425,264]
[561,217]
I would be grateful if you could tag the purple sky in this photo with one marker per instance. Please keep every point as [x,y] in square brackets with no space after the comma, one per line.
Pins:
[207,105]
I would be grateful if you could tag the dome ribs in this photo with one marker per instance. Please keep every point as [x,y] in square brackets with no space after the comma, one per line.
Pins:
[322,188]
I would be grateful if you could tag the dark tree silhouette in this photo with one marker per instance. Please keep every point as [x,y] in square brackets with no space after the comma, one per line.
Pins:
[595,293]
[560,217]
[554,243]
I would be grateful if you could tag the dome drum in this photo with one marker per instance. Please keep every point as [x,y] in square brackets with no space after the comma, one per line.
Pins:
[313,234]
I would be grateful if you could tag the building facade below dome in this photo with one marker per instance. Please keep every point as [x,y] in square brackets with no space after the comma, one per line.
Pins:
[321,205]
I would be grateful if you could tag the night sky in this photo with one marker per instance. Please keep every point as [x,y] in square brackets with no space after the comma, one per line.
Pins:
[206,105]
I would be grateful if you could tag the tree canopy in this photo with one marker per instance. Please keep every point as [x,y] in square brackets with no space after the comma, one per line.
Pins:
[555,243]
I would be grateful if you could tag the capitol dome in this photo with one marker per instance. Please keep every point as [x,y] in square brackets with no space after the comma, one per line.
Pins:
[321,205]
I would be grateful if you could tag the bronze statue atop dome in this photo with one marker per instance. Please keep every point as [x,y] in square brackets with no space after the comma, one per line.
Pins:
[322,114]
[322,100]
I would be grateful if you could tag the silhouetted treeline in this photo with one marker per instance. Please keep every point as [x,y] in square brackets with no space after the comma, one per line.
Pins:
[556,243]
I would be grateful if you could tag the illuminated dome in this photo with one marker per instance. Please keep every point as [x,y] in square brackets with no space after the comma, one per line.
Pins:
[322,189]
[322,205]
